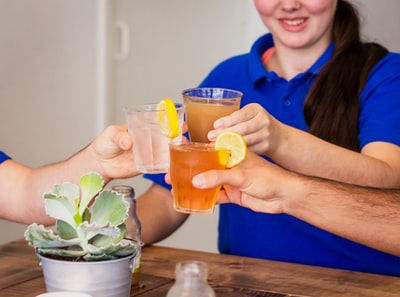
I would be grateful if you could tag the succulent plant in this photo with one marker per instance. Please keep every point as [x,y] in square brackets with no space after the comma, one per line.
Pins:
[83,231]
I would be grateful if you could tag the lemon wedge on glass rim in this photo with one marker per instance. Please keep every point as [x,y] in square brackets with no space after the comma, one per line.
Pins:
[167,117]
[235,143]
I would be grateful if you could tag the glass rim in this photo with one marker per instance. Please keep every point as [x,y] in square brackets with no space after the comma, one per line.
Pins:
[149,107]
[193,145]
[211,90]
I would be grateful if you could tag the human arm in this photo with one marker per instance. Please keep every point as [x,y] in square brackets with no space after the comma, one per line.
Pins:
[378,164]
[156,213]
[22,187]
[366,215]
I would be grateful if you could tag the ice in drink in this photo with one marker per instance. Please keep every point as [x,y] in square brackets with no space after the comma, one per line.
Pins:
[150,149]
[188,160]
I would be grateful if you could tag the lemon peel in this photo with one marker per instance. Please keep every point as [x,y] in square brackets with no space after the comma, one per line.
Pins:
[167,117]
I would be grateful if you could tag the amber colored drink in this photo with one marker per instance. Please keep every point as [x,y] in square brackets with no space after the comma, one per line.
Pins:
[206,105]
[188,160]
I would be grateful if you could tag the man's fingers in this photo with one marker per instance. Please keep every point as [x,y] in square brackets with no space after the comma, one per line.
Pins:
[214,178]
[121,137]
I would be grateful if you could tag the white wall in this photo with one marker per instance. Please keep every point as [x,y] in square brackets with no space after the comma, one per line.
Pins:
[48,72]
[47,82]
[381,21]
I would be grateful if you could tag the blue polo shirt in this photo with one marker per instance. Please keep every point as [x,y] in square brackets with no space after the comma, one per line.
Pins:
[3,157]
[279,236]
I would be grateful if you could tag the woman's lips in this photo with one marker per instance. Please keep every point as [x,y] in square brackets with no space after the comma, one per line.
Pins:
[293,24]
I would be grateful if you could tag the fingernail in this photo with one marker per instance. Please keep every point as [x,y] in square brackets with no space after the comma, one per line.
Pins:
[218,123]
[198,181]
[212,135]
[126,141]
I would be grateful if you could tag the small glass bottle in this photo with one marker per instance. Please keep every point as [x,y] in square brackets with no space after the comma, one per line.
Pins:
[135,228]
[191,280]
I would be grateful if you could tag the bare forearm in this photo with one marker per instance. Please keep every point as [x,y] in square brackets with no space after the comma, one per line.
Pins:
[23,187]
[156,214]
[370,216]
[365,215]
[378,165]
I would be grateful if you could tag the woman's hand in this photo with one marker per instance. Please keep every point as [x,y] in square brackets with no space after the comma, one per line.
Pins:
[260,130]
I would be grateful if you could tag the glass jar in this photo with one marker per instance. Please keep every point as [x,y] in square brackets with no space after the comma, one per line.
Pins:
[135,228]
[191,280]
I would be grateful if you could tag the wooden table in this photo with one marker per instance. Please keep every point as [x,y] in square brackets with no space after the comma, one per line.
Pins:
[21,275]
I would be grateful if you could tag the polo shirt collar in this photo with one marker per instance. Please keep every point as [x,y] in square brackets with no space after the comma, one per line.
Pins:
[257,70]
[3,157]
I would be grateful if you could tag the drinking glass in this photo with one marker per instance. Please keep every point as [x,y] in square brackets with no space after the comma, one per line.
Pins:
[150,146]
[203,106]
[186,161]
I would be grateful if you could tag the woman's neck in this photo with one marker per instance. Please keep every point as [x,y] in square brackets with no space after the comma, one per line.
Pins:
[289,62]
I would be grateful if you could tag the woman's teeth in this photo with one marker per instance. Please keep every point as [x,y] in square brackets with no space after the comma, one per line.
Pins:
[293,22]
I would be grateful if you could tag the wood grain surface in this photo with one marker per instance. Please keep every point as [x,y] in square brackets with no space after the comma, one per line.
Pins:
[21,275]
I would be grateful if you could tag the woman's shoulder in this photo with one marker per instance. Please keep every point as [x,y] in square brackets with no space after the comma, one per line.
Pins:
[229,69]
[235,61]
[384,79]
[390,60]
[388,66]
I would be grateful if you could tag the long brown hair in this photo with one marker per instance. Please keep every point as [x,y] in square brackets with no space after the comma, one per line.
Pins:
[332,107]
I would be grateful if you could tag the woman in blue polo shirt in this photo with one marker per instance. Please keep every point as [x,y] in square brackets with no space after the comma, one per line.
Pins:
[318,101]
[22,187]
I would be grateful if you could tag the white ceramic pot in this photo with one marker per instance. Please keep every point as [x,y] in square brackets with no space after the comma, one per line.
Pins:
[111,278]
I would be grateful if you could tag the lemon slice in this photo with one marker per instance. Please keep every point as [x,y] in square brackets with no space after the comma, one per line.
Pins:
[167,117]
[235,143]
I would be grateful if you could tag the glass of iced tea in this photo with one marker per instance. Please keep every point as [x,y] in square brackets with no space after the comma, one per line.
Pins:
[186,161]
[204,106]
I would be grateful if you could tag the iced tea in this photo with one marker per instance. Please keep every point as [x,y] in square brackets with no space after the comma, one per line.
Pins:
[206,105]
[188,160]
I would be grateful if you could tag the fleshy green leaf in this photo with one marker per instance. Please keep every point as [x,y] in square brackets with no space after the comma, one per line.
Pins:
[40,237]
[69,190]
[95,233]
[125,247]
[91,184]
[62,253]
[86,215]
[65,230]
[101,257]
[93,229]
[102,240]
[112,251]
[60,208]
[61,202]
[110,207]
